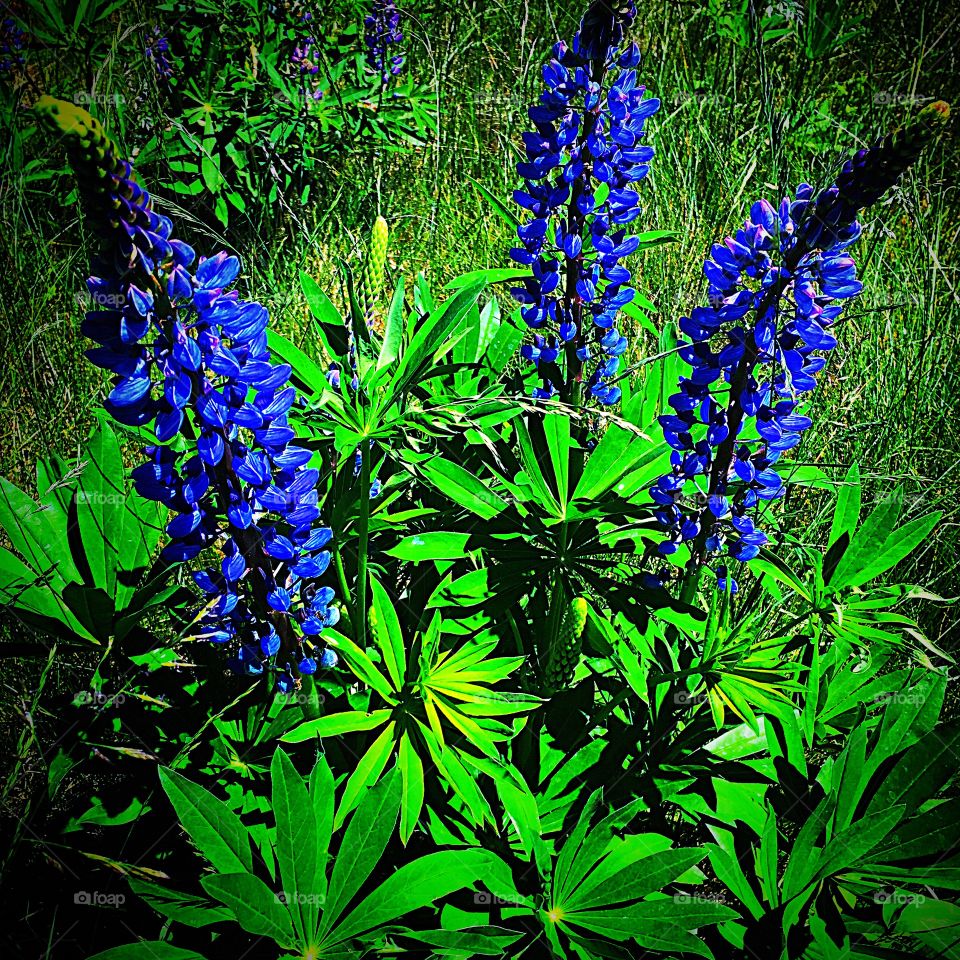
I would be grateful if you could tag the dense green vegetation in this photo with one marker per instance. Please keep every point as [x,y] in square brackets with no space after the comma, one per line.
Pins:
[100,690]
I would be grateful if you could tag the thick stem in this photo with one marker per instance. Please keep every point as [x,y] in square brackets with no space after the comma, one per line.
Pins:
[363,536]
[723,461]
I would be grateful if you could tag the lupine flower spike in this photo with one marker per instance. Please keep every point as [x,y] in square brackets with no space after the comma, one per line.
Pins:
[190,360]
[776,290]
[584,159]
[12,43]
[381,33]
[157,49]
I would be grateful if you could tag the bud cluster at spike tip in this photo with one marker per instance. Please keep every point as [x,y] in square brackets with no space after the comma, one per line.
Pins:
[776,289]
[583,161]
[190,360]
[381,32]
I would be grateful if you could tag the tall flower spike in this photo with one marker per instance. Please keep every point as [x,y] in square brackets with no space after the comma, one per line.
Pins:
[12,43]
[777,287]
[190,360]
[157,50]
[583,161]
[381,33]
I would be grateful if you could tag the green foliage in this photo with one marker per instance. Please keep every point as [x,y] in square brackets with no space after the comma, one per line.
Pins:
[526,749]
[81,556]
[309,896]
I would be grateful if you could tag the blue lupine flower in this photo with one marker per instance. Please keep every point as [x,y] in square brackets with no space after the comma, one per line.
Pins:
[776,289]
[381,33]
[12,43]
[304,58]
[157,49]
[582,163]
[190,360]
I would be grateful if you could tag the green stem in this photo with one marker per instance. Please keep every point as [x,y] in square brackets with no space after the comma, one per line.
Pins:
[342,581]
[363,534]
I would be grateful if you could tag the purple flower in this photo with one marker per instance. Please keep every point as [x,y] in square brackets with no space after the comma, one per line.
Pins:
[776,290]
[582,162]
[381,33]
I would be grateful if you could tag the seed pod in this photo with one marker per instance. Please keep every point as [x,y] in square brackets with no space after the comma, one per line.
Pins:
[564,653]
[371,280]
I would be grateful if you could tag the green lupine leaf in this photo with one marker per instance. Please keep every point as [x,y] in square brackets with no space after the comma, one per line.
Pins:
[388,634]
[296,843]
[900,544]
[216,830]
[920,772]
[868,539]
[393,329]
[850,846]
[33,535]
[435,545]
[336,724]
[847,511]
[321,788]
[330,325]
[367,772]
[307,374]
[151,949]
[415,885]
[257,908]
[364,841]
[462,487]
[101,504]
[184,908]
[411,771]
[639,879]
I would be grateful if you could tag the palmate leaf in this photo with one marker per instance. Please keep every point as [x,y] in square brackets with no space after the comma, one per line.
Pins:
[847,511]
[152,949]
[451,696]
[868,542]
[462,487]
[363,843]
[184,908]
[425,881]
[96,540]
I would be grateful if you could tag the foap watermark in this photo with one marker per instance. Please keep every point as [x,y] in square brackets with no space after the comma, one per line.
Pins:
[684,698]
[97,898]
[897,897]
[299,698]
[700,96]
[83,98]
[702,898]
[94,698]
[897,98]
[298,898]
[900,698]
[95,498]
[113,301]
[483,898]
